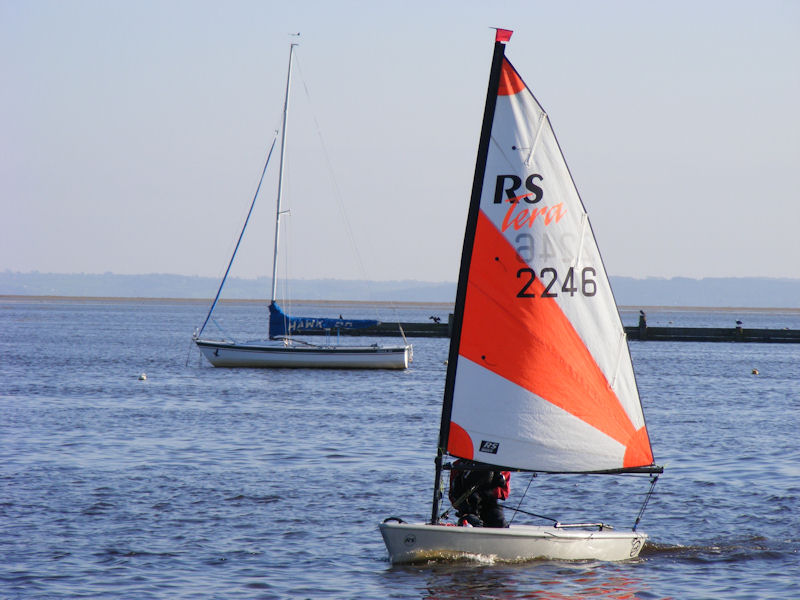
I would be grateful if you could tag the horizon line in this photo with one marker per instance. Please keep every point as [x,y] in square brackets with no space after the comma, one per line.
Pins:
[267,277]
[171,300]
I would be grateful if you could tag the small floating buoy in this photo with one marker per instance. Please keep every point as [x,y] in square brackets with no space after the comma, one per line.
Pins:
[755,371]
[142,377]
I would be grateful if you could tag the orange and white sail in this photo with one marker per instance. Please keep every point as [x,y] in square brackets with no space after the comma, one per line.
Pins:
[542,378]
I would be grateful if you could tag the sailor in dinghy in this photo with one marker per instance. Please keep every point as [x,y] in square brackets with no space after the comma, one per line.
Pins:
[474,494]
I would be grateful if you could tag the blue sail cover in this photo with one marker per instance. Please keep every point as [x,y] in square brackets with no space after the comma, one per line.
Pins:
[281,324]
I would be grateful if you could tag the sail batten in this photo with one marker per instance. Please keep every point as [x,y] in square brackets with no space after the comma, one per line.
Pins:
[542,120]
[540,376]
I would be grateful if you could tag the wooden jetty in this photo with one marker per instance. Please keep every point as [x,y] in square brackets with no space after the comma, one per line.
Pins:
[644,334]
[713,334]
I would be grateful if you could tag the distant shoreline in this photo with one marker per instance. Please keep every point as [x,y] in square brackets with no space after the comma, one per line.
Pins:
[405,303]
[732,292]
[207,301]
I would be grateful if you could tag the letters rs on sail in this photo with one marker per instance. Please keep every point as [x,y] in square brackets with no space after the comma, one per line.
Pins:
[490,447]
[527,207]
[520,214]
[510,184]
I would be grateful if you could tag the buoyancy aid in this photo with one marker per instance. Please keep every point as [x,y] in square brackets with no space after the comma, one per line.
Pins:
[484,483]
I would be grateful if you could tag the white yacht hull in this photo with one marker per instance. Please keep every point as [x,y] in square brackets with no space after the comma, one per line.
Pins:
[224,354]
[413,542]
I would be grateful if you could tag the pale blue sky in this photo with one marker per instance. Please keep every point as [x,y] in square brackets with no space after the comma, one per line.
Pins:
[132,133]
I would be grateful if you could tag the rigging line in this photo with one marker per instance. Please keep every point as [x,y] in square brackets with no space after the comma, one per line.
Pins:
[287,239]
[459,501]
[284,282]
[497,145]
[336,191]
[653,481]
[620,355]
[241,234]
[525,512]
[222,331]
[525,493]
[189,352]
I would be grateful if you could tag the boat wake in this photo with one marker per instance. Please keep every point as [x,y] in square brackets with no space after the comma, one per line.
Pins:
[434,558]
[749,548]
[745,549]
[444,557]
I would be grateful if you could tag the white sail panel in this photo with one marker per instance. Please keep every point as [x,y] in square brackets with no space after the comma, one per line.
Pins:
[546,438]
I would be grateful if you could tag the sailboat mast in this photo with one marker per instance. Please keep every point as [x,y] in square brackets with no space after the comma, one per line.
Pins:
[278,210]
[466,256]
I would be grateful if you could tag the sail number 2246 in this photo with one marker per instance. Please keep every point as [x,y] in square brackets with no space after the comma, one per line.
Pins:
[583,283]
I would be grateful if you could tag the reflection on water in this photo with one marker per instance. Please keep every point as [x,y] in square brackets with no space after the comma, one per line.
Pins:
[537,579]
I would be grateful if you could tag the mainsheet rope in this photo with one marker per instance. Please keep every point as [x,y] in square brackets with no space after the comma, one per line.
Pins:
[525,493]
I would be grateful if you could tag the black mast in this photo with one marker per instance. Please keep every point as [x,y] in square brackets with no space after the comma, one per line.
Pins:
[466,256]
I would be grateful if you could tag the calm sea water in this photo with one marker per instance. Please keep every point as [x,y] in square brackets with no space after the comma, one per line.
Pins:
[214,483]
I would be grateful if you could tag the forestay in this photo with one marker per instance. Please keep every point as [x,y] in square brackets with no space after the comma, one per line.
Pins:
[543,379]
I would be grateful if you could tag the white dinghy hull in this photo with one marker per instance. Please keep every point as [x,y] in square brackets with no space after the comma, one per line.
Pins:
[222,354]
[414,542]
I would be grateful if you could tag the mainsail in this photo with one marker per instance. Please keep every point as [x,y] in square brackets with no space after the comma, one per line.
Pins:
[540,376]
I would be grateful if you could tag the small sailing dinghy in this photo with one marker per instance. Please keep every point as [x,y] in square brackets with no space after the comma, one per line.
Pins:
[539,376]
[284,349]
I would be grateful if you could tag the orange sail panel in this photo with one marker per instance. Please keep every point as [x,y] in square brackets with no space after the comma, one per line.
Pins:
[510,82]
